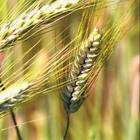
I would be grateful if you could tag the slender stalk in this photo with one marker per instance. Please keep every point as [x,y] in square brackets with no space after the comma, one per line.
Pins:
[67,126]
[74,93]
[15,123]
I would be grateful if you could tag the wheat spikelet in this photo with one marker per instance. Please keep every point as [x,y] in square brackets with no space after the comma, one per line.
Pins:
[13,31]
[74,92]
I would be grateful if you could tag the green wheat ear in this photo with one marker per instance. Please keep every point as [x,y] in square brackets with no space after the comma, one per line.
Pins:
[74,93]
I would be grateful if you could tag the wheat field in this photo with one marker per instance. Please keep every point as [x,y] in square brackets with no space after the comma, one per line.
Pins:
[69,70]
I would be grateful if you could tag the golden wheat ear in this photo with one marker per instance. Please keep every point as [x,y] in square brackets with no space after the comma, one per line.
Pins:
[10,97]
[17,29]
[74,93]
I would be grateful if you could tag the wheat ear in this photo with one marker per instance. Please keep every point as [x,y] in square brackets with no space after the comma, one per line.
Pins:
[11,96]
[16,30]
[13,116]
[74,93]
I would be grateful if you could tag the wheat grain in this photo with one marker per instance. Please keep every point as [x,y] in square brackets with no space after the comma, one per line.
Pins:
[74,92]
[13,31]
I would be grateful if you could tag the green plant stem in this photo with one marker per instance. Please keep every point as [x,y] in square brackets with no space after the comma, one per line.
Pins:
[15,123]
[67,126]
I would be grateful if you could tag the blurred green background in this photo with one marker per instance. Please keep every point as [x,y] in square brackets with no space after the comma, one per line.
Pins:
[111,112]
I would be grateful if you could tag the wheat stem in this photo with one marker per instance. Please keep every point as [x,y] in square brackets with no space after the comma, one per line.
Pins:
[67,126]
[15,123]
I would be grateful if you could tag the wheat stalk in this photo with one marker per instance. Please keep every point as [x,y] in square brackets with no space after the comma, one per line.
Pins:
[75,92]
[14,31]
[16,126]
